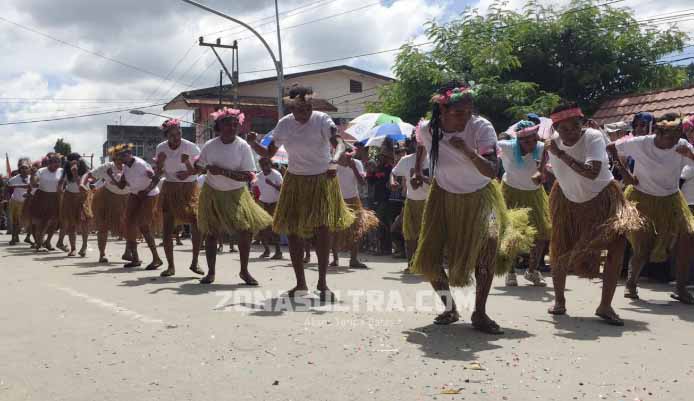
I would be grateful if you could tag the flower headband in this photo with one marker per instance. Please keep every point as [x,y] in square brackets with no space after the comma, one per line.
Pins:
[229,113]
[171,123]
[122,147]
[670,125]
[688,122]
[566,114]
[454,95]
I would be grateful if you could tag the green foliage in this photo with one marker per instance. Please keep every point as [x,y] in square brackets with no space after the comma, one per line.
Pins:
[526,61]
[62,147]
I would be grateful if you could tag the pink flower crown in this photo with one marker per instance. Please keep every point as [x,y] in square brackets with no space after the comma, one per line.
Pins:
[453,95]
[229,113]
[171,123]
[688,122]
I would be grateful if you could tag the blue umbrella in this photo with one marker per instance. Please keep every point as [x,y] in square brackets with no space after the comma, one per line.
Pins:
[391,131]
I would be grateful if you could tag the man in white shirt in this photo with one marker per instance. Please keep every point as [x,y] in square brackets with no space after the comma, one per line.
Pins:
[351,175]
[269,183]
[18,186]
[179,192]
[310,205]
[226,206]
[669,224]
[588,210]
[522,187]
[142,182]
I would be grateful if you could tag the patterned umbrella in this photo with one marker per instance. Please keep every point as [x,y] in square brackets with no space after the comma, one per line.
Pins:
[361,128]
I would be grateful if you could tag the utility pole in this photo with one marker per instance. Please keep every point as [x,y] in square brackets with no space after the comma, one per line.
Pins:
[277,63]
[91,159]
[280,68]
[234,74]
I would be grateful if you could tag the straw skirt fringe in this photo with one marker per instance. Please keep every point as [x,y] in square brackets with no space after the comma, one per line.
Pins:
[412,219]
[581,230]
[75,208]
[139,213]
[309,202]
[16,211]
[365,221]
[665,219]
[538,203]
[474,229]
[228,212]
[45,207]
[181,200]
[109,210]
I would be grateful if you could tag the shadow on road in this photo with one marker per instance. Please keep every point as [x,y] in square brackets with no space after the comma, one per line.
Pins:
[196,288]
[588,329]
[526,292]
[459,342]
[667,307]
[140,281]
[405,278]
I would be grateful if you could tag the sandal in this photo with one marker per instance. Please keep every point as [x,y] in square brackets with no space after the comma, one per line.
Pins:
[154,265]
[685,299]
[59,246]
[265,255]
[297,292]
[168,273]
[277,256]
[207,280]
[197,270]
[446,318]
[358,265]
[82,253]
[248,279]
[103,259]
[612,320]
[485,325]
[631,293]
[327,296]
[557,310]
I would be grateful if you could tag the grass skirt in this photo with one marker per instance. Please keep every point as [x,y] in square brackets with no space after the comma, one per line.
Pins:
[665,219]
[267,233]
[109,210]
[45,207]
[227,212]
[538,203]
[474,229]
[582,230]
[309,202]
[181,200]
[16,212]
[26,212]
[75,208]
[412,219]
[365,221]
[138,213]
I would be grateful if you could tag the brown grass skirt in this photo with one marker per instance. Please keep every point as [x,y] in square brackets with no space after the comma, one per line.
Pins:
[365,222]
[580,231]
[268,234]
[26,212]
[45,207]
[109,210]
[75,208]
[181,200]
[16,211]
[138,213]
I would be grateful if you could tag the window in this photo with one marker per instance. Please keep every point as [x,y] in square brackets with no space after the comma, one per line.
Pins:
[139,150]
[355,86]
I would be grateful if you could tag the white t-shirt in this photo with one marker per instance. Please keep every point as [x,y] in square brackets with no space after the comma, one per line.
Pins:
[235,156]
[405,169]
[591,147]
[517,175]
[269,194]
[48,181]
[658,170]
[455,172]
[138,178]
[100,173]
[18,193]
[307,145]
[349,184]
[72,186]
[688,186]
[201,180]
[173,163]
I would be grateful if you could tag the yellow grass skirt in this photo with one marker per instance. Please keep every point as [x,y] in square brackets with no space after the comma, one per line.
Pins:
[474,229]
[581,230]
[365,221]
[412,219]
[181,200]
[16,213]
[538,203]
[228,212]
[309,202]
[75,208]
[109,210]
[665,219]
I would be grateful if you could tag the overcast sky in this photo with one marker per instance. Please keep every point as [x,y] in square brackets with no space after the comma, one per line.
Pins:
[158,39]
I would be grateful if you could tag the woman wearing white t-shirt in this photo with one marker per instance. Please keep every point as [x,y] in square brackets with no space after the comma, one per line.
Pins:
[179,192]
[522,188]
[142,182]
[75,209]
[226,206]
[669,224]
[45,203]
[588,210]
[310,205]
[688,172]
[465,216]
[18,187]
[351,175]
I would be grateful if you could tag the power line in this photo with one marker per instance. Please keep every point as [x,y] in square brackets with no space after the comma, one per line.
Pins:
[93,53]
[80,116]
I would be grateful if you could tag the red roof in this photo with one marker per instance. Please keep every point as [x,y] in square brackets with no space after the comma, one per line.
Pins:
[658,102]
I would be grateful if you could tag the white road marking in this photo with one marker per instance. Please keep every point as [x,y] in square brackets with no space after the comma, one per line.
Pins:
[110,306]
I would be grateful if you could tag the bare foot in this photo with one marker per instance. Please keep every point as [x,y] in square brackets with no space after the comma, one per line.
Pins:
[197,270]
[71,253]
[609,316]
[326,295]
[297,291]
[248,279]
[154,265]
[168,272]
[557,309]
[209,279]
[447,318]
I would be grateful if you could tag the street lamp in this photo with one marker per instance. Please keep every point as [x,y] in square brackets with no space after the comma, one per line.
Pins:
[142,113]
[278,63]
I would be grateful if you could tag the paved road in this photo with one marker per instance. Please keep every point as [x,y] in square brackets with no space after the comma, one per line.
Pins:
[73,330]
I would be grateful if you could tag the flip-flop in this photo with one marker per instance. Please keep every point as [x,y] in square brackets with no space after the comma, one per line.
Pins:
[689,300]
[447,318]
[154,266]
[277,256]
[611,320]
[197,270]
[207,280]
[103,260]
[167,273]
[556,311]
[249,281]
[358,265]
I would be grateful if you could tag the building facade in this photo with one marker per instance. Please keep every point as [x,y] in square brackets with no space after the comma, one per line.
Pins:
[145,139]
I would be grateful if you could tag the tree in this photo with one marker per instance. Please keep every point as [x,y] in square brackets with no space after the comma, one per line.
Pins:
[62,147]
[526,61]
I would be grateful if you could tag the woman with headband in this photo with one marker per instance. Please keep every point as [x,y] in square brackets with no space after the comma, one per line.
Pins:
[75,209]
[45,203]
